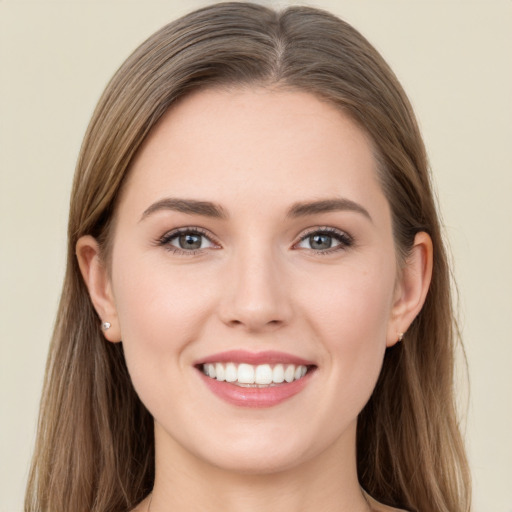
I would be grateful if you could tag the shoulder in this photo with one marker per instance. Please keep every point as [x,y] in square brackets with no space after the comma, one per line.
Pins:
[379,507]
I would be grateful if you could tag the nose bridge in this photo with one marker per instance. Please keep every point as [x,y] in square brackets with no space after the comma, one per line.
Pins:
[256,295]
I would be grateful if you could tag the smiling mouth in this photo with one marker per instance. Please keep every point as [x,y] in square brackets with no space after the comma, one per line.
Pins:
[259,376]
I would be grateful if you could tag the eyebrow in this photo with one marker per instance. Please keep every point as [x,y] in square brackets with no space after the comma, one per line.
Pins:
[190,206]
[209,209]
[327,205]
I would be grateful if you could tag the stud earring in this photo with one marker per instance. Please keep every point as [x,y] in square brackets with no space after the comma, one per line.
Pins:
[400,337]
[105,326]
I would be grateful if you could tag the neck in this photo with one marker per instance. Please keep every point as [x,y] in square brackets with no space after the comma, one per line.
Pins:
[326,482]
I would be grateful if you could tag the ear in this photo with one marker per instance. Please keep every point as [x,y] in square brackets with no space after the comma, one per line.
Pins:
[99,285]
[411,287]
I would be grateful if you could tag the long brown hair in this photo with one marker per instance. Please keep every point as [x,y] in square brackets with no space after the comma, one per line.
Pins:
[95,447]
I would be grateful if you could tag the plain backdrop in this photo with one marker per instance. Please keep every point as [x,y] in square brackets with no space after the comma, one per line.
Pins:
[454,59]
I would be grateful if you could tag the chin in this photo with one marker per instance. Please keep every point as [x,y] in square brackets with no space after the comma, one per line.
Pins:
[267,452]
[257,462]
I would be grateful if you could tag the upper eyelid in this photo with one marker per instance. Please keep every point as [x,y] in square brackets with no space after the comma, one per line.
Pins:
[172,233]
[188,229]
[323,229]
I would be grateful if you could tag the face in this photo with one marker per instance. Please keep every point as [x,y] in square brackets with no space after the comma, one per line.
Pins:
[253,243]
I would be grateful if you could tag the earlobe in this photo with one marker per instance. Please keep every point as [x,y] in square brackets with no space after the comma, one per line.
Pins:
[412,287]
[99,286]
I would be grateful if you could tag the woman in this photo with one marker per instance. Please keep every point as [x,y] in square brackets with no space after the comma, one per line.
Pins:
[252,231]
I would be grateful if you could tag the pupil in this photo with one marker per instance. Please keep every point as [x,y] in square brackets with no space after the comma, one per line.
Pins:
[320,242]
[189,241]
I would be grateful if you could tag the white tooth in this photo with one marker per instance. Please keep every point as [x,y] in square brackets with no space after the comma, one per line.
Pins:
[289,373]
[220,372]
[245,374]
[303,371]
[298,373]
[278,374]
[263,374]
[211,371]
[231,373]
[205,369]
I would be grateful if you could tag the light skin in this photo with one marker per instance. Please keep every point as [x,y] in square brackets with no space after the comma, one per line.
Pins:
[294,253]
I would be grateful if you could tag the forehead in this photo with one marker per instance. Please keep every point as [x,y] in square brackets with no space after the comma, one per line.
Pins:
[266,145]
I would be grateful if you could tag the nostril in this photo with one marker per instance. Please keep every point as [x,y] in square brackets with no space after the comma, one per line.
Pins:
[253,324]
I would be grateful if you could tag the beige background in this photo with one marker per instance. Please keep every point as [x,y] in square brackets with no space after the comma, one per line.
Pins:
[454,59]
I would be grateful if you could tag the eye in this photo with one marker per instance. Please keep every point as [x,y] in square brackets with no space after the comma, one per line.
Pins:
[325,240]
[186,241]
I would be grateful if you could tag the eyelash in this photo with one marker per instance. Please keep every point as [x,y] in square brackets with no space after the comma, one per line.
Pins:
[165,240]
[344,239]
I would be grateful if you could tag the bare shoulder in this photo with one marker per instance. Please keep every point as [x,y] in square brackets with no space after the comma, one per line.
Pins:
[379,507]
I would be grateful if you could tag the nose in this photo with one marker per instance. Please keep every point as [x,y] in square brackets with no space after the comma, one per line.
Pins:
[256,297]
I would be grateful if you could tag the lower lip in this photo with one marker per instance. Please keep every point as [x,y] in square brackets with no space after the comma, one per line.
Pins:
[256,396]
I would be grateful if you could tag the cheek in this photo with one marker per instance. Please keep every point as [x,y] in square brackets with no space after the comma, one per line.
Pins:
[350,317]
[353,301]
[161,311]
[160,308]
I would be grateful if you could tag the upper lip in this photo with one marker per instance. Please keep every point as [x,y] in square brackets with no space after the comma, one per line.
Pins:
[254,358]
